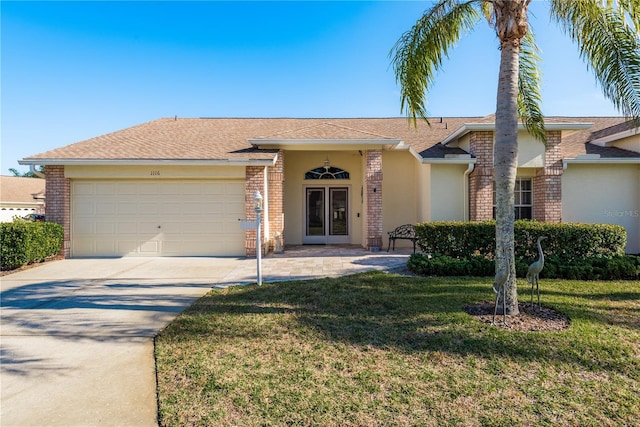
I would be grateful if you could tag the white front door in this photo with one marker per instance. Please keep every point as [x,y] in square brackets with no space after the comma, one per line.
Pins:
[326,215]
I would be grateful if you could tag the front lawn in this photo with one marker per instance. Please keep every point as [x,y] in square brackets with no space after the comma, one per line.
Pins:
[387,350]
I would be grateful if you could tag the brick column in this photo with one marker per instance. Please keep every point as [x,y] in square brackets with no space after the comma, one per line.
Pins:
[58,206]
[255,177]
[373,187]
[547,185]
[481,179]
[275,182]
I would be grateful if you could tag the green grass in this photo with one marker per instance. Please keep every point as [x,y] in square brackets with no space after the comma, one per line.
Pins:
[387,350]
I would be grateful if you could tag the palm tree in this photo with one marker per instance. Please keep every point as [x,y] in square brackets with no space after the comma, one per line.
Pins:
[606,33]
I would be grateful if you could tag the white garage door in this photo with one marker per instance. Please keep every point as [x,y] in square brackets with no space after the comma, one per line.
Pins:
[157,218]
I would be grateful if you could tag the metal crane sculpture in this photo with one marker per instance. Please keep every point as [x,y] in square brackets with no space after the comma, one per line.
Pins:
[500,279]
[533,273]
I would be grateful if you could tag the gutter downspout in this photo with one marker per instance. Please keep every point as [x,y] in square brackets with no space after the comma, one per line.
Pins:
[465,191]
[34,171]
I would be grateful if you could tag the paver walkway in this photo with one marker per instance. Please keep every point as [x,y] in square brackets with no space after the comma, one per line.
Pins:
[309,262]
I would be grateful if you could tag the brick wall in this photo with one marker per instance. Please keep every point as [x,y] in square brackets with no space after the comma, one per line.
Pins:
[254,182]
[58,207]
[373,187]
[547,194]
[275,177]
[481,179]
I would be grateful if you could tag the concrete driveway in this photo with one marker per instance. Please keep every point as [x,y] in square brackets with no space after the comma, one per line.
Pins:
[76,342]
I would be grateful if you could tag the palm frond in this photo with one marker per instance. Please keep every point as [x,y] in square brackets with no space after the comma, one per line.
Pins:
[529,88]
[487,11]
[630,12]
[608,44]
[418,55]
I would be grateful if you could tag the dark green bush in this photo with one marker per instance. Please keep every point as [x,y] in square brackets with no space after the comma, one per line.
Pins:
[23,242]
[443,265]
[619,267]
[568,242]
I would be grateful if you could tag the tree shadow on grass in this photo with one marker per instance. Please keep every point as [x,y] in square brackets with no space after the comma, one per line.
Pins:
[408,314]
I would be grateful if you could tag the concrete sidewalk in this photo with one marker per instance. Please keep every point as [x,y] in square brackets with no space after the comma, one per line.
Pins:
[77,335]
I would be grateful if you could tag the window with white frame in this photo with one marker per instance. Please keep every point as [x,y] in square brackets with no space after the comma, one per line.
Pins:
[523,198]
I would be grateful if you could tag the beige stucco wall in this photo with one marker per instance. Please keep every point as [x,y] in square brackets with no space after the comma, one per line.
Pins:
[447,192]
[299,162]
[399,189]
[465,143]
[530,151]
[632,143]
[607,194]
[423,192]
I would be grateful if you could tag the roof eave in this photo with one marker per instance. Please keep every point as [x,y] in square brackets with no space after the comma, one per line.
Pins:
[606,140]
[240,161]
[600,160]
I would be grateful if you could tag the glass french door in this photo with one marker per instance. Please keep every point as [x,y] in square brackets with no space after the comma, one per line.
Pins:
[326,215]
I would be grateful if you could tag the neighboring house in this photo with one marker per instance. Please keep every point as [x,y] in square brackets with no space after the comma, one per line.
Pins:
[20,196]
[177,187]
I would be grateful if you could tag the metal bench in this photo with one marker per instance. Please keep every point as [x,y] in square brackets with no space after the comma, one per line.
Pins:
[404,232]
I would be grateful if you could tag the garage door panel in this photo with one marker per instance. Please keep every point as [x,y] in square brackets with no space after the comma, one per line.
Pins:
[150,247]
[105,188]
[105,227]
[106,208]
[127,227]
[85,189]
[123,188]
[149,228]
[222,247]
[212,208]
[105,247]
[229,208]
[126,247]
[126,208]
[121,218]
[80,208]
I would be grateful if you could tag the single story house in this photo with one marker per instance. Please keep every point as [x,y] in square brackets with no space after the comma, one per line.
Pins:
[20,196]
[178,186]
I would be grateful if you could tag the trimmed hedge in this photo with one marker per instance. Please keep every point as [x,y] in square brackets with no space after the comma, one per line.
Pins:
[23,242]
[619,267]
[569,242]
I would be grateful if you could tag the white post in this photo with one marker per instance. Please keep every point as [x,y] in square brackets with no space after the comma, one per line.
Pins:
[258,202]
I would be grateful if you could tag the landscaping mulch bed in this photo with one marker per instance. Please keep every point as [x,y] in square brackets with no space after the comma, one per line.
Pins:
[29,266]
[531,318]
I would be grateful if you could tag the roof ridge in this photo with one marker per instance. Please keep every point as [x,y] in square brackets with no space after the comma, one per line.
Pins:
[324,124]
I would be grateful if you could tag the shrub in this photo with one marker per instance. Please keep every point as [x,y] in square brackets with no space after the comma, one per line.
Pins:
[619,267]
[23,242]
[568,242]
[443,265]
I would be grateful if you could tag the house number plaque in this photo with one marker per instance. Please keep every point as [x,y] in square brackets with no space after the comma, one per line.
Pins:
[155,173]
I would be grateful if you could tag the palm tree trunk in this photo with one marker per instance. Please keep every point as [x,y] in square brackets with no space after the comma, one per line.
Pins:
[505,159]
[511,26]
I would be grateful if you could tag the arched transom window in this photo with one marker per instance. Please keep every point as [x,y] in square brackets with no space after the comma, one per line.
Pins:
[326,172]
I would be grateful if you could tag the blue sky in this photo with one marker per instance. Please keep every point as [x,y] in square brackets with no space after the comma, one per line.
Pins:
[74,70]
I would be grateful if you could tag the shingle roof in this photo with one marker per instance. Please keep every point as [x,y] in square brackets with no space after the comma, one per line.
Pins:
[17,189]
[229,138]
[579,143]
